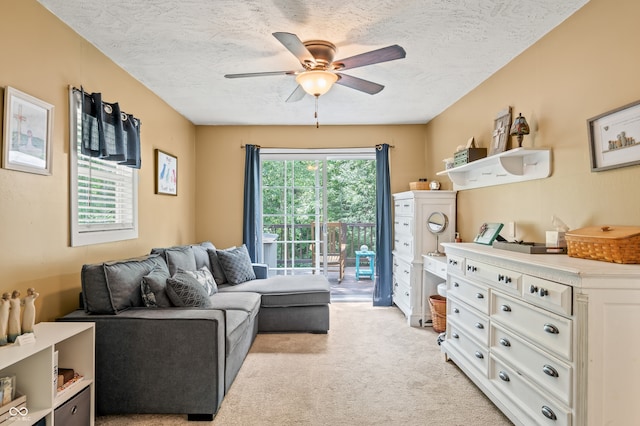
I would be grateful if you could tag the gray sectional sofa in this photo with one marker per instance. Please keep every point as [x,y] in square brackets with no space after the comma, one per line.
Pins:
[155,357]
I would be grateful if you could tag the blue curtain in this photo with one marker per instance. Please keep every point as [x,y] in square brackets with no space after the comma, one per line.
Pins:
[108,133]
[252,216]
[383,287]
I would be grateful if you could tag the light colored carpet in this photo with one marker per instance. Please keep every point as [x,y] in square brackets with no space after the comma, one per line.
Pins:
[370,369]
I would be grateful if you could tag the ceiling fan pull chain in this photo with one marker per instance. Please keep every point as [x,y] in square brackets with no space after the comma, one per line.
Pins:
[316,114]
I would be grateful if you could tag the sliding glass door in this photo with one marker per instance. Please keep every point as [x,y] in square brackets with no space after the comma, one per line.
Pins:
[307,206]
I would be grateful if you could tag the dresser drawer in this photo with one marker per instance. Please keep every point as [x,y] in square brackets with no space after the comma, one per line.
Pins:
[543,409]
[455,264]
[500,278]
[403,225]
[402,271]
[472,294]
[547,371]
[403,244]
[402,296]
[474,324]
[403,207]
[547,294]
[475,353]
[548,330]
[435,265]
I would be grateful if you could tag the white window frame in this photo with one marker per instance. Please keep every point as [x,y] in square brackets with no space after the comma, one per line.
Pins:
[82,235]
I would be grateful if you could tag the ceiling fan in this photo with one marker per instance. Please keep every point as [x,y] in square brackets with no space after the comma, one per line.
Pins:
[320,71]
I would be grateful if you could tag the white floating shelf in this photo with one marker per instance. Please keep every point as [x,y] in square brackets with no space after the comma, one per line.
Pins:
[515,165]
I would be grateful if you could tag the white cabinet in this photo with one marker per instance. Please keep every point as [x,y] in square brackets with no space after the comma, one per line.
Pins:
[514,165]
[411,240]
[548,338]
[33,365]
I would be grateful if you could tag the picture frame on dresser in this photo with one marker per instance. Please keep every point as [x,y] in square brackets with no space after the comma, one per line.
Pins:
[28,127]
[488,233]
[614,138]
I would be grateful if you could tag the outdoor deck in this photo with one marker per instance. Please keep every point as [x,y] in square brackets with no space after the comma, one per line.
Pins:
[350,289]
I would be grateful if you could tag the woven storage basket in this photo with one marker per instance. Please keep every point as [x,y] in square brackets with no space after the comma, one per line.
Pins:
[438,306]
[617,244]
[419,186]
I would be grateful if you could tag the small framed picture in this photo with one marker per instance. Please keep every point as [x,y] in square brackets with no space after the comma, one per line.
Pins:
[28,126]
[166,173]
[487,233]
[614,138]
[501,127]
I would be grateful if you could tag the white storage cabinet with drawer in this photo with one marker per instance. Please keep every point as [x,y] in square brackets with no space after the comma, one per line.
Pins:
[412,239]
[550,339]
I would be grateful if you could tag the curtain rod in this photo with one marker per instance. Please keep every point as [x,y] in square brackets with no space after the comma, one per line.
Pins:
[341,147]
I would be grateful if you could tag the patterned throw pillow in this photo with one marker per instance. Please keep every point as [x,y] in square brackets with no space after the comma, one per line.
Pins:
[236,264]
[204,277]
[186,291]
[148,297]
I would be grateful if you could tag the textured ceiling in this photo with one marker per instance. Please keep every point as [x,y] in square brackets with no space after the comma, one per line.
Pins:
[181,50]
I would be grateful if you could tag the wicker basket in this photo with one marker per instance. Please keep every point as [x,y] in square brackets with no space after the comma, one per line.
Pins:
[438,306]
[618,244]
[419,186]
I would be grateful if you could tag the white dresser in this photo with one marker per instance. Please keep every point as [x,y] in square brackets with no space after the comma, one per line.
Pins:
[550,339]
[412,239]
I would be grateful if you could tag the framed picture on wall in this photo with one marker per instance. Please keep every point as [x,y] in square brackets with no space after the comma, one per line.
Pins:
[166,173]
[500,135]
[614,138]
[28,126]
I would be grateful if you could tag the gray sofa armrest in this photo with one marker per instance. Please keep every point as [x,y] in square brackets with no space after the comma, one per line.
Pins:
[165,360]
[261,270]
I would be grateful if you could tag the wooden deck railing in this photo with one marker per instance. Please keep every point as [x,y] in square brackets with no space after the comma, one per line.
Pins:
[358,234]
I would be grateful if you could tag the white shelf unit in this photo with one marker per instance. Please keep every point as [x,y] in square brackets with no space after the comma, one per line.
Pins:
[515,165]
[33,366]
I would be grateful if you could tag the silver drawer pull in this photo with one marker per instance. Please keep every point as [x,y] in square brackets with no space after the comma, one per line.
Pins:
[455,335]
[505,308]
[479,326]
[550,371]
[472,268]
[456,310]
[406,293]
[453,262]
[456,285]
[406,244]
[551,329]
[533,289]
[505,342]
[479,296]
[543,292]
[504,376]
[479,355]
[405,223]
[548,413]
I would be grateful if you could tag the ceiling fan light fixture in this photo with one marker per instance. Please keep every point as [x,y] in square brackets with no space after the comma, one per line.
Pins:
[316,82]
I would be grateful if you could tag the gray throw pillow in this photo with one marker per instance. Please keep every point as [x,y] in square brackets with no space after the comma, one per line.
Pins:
[216,268]
[204,277]
[186,291]
[236,264]
[155,283]
[123,280]
[180,257]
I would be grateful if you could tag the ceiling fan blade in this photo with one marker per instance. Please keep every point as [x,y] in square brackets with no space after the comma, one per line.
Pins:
[389,53]
[260,74]
[359,84]
[295,46]
[296,95]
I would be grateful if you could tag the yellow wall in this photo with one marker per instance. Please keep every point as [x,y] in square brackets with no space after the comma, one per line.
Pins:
[583,68]
[41,56]
[220,164]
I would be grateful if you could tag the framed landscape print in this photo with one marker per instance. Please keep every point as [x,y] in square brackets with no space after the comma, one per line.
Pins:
[28,125]
[166,173]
